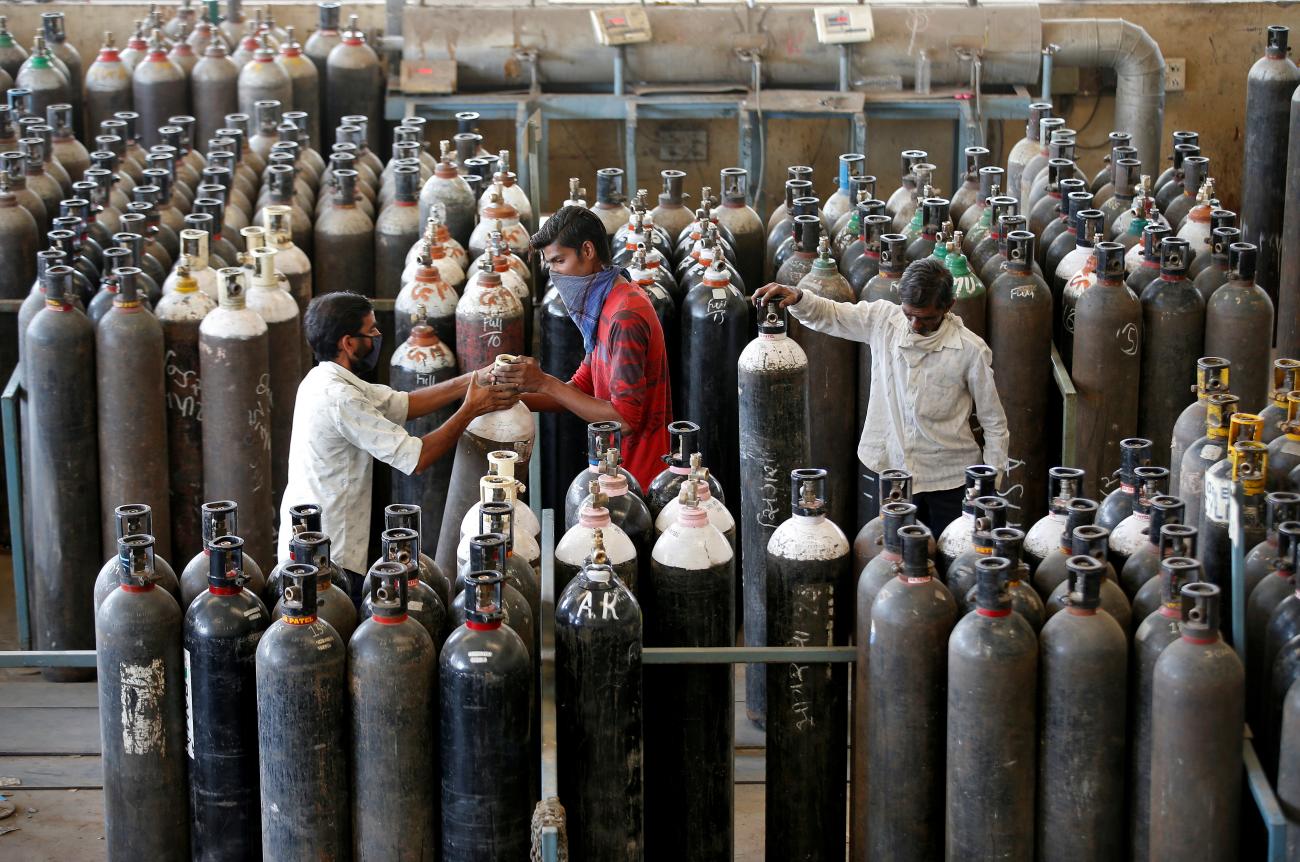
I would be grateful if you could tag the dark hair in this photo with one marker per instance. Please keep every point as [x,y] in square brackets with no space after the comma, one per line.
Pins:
[570,227]
[332,316]
[926,283]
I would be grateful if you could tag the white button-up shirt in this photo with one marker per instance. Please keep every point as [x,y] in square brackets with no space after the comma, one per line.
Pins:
[340,424]
[922,391]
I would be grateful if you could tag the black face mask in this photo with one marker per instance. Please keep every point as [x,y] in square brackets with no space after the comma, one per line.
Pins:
[365,365]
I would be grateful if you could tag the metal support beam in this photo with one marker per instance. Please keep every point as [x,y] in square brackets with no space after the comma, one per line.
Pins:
[749,655]
[1065,386]
[47,658]
[1270,811]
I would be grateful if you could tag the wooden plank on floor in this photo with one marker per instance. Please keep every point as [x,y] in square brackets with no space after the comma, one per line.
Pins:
[49,730]
[36,693]
[62,772]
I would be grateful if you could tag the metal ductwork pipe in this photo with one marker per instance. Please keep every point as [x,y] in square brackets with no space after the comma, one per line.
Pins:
[1139,67]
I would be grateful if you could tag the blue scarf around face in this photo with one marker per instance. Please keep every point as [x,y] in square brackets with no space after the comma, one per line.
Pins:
[584,297]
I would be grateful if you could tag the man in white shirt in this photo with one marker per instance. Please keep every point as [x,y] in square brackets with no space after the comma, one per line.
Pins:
[341,423]
[928,370]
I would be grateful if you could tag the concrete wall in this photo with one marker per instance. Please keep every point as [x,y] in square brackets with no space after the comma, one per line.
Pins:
[1219,40]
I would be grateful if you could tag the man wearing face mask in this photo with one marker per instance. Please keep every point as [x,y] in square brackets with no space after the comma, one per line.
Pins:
[341,423]
[624,376]
[927,372]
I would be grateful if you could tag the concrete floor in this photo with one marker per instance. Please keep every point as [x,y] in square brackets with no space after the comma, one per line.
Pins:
[58,814]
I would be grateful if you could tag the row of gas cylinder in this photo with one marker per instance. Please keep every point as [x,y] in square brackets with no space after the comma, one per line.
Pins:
[191,64]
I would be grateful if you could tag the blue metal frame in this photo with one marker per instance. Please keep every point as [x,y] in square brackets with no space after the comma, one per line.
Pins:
[9,415]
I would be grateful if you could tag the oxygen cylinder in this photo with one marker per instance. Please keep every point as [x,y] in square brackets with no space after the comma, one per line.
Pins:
[214,89]
[510,429]
[318,47]
[670,215]
[1234,316]
[158,90]
[59,363]
[629,512]
[301,671]
[395,230]
[489,321]
[138,658]
[956,536]
[595,531]
[180,314]
[892,486]
[1173,325]
[500,486]
[1208,450]
[304,80]
[1063,484]
[1176,540]
[132,410]
[44,78]
[719,516]
[599,715]
[423,360]
[1269,87]
[221,632]
[601,437]
[424,604]
[1052,571]
[344,238]
[333,587]
[862,234]
[234,368]
[562,352]
[1196,721]
[1246,463]
[990,513]
[1008,543]
[355,77]
[1261,561]
[1197,186]
[807,566]
[19,245]
[1083,666]
[1159,629]
[497,518]
[1287,790]
[831,384]
[408,516]
[1120,145]
[1271,593]
[1286,378]
[12,54]
[715,321]
[991,725]
[219,518]
[964,197]
[134,519]
[683,437]
[1149,256]
[1020,338]
[1092,541]
[485,792]
[1211,378]
[392,670]
[1024,150]
[1143,564]
[688,721]
[1108,339]
[1284,452]
[431,285]
[1129,535]
[910,621]
[743,222]
[772,396]
[269,298]
[447,194]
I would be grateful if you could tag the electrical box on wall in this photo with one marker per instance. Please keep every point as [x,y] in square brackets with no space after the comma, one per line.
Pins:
[429,76]
[1175,74]
[838,25]
[621,25]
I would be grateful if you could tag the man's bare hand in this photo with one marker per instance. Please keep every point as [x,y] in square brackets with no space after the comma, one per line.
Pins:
[523,374]
[482,397]
[783,293]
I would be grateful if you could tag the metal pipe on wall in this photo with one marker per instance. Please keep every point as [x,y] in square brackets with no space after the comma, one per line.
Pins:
[1139,68]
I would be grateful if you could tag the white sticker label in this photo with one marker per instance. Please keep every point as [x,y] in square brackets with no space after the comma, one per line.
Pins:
[189,709]
[479,656]
[1217,497]
[416,605]
[141,693]
[1212,453]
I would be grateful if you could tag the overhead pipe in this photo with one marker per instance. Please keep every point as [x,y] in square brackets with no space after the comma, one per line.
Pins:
[1139,69]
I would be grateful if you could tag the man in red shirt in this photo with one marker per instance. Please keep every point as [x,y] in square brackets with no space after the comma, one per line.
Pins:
[624,376]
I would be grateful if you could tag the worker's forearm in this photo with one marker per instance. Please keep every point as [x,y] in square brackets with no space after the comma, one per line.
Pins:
[442,439]
[566,396]
[424,401]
